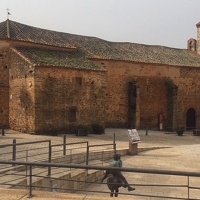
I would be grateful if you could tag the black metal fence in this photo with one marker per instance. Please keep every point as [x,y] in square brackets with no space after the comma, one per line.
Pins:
[186,189]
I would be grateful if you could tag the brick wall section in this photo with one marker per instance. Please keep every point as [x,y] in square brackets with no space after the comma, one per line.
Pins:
[56,93]
[22,103]
[152,92]
[4,84]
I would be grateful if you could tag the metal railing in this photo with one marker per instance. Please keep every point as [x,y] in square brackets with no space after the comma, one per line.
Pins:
[46,151]
[188,193]
[12,151]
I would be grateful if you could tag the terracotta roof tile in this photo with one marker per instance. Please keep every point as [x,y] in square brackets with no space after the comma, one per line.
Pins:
[23,32]
[3,30]
[92,47]
[42,57]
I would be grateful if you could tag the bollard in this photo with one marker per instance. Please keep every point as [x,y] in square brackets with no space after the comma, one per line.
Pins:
[87,154]
[3,134]
[64,144]
[146,130]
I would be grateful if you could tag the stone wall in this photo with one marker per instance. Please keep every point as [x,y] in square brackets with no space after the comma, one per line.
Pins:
[22,98]
[188,94]
[57,92]
[198,38]
[41,98]
[152,95]
[4,84]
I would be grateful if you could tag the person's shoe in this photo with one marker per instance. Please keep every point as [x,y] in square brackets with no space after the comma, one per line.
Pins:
[130,189]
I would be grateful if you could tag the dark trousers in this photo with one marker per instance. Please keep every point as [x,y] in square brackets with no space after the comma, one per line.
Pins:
[116,174]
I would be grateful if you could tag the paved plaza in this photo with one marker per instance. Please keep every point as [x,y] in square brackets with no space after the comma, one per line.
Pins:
[158,150]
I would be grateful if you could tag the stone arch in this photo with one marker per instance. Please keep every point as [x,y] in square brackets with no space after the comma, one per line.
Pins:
[190,119]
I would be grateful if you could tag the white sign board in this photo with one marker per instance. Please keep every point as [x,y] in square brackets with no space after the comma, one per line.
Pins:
[133,136]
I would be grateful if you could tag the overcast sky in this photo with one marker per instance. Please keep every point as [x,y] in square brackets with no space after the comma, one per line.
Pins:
[156,22]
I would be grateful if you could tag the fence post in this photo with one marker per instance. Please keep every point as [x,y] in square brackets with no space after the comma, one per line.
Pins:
[30,183]
[26,161]
[50,152]
[114,144]
[64,145]
[188,187]
[14,151]
[102,157]
[87,154]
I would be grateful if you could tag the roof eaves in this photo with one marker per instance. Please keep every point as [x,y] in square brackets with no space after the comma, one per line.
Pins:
[90,69]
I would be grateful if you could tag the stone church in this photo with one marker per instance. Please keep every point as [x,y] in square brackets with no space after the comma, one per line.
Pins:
[61,80]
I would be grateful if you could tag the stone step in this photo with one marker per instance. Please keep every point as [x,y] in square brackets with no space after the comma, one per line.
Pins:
[43,195]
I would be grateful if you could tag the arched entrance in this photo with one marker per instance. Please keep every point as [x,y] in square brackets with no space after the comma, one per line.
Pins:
[190,119]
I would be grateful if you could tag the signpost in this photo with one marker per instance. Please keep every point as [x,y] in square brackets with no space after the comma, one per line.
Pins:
[134,139]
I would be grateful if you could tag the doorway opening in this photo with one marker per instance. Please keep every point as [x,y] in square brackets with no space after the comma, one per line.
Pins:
[190,119]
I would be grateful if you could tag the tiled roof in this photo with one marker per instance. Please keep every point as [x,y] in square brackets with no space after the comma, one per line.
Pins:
[93,47]
[22,32]
[3,30]
[43,57]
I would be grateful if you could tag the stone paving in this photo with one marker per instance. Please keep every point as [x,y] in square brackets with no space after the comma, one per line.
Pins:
[158,150]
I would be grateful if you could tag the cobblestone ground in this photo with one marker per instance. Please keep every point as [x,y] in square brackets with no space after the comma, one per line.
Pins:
[158,150]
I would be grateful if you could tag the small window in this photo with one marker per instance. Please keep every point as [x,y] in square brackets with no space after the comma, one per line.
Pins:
[1,55]
[72,115]
[78,81]
[149,90]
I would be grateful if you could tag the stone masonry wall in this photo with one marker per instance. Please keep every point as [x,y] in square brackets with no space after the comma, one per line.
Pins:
[57,92]
[198,39]
[4,84]
[152,92]
[188,94]
[22,103]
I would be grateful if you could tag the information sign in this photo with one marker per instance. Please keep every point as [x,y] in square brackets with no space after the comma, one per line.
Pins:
[133,136]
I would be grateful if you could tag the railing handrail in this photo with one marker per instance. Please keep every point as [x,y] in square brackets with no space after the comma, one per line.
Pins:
[124,169]
[23,143]
[54,145]
[98,145]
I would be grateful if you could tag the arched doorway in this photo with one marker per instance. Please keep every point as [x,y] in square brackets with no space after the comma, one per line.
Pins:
[190,119]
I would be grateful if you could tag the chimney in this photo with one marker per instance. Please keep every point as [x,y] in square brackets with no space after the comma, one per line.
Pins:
[191,44]
[198,38]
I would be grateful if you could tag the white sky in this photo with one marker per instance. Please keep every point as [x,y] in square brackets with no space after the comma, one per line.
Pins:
[157,22]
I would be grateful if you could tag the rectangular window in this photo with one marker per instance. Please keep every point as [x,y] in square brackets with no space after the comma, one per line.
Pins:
[72,115]
[78,81]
